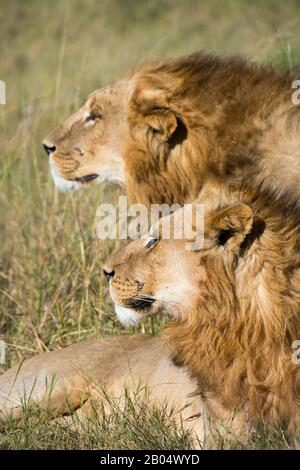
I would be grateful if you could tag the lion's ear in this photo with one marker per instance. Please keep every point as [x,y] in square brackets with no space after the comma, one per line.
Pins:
[152,104]
[231,225]
[162,123]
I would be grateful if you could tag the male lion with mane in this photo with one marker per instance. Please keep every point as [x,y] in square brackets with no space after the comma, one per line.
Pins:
[168,126]
[234,307]
[234,304]
[162,132]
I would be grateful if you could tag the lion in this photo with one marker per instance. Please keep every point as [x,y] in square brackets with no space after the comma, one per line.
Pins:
[234,303]
[168,126]
[234,309]
[75,379]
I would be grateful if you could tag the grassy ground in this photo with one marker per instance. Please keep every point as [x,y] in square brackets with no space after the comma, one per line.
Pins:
[52,54]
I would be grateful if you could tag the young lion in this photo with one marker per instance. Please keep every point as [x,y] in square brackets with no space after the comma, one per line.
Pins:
[168,126]
[234,303]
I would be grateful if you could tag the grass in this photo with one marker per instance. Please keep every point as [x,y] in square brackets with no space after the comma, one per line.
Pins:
[136,426]
[52,54]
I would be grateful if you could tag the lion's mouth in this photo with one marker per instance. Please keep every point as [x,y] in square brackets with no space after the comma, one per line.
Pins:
[85,179]
[143,303]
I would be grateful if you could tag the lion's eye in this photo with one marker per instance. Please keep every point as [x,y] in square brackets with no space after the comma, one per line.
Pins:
[152,242]
[89,118]
[93,115]
[154,131]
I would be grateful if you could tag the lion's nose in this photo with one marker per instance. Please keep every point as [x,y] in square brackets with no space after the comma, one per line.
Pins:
[108,273]
[49,148]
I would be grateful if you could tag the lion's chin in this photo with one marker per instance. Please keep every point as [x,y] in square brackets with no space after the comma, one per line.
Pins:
[127,316]
[61,183]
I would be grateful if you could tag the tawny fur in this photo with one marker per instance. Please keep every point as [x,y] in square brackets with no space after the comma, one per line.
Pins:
[168,126]
[80,377]
[235,328]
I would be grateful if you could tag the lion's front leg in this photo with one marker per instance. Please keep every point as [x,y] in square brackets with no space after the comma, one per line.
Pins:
[47,380]
[102,373]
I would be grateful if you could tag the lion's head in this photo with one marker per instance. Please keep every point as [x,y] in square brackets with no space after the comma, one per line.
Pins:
[123,134]
[137,134]
[170,125]
[171,275]
[234,302]
[87,147]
